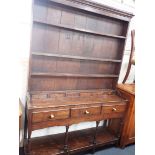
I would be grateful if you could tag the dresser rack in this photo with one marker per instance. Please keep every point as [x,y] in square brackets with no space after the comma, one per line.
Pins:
[75,59]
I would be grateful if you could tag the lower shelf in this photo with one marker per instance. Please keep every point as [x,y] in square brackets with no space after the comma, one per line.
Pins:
[78,141]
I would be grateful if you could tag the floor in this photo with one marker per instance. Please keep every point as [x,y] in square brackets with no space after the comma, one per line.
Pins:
[129,150]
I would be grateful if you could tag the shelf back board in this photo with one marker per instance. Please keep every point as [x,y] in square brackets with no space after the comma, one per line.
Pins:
[74,48]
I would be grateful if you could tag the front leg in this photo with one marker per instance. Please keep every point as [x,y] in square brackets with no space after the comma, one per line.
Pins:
[94,138]
[66,141]
[29,131]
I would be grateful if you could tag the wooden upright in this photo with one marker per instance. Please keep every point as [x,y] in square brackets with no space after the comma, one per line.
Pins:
[76,55]
[128,131]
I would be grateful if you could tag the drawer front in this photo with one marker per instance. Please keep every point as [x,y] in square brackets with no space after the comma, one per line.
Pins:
[113,109]
[50,115]
[83,112]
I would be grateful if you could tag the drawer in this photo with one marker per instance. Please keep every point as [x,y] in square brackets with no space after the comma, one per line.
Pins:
[50,115]
[80,112]
[113,109]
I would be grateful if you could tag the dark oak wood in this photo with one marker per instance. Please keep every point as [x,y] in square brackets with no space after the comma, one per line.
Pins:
[50,115]
[73,75]
[128,131]
[73,57]
[66,108]
[75,60]
[78,141]
[96,8]
[80,30]
[66,150]
[95,136]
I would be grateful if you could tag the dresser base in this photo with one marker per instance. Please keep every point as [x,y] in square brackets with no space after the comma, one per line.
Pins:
[80,140]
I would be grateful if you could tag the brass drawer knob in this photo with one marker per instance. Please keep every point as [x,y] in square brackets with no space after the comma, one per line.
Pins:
[86,112]
[114,109]
[52,116]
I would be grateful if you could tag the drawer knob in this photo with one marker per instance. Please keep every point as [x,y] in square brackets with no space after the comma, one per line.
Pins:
[114,109]
[52,116]
[86,112]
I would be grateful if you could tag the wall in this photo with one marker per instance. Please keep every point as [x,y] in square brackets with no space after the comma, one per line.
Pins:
[24,46]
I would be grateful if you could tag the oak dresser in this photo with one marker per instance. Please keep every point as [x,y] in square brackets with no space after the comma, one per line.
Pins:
[75,59]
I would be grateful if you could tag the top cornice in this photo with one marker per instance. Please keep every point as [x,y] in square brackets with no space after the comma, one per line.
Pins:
[97,8]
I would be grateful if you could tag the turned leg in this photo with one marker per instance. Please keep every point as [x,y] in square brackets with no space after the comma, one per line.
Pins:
[29,131]
[94,138]
[115,127]
[119,144]
[66,141]
[25,123]
[105,123]
[29,141]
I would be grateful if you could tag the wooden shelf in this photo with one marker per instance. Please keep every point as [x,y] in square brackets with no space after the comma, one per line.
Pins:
[79,29]
[75,75]
[74,57]
[54,143]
